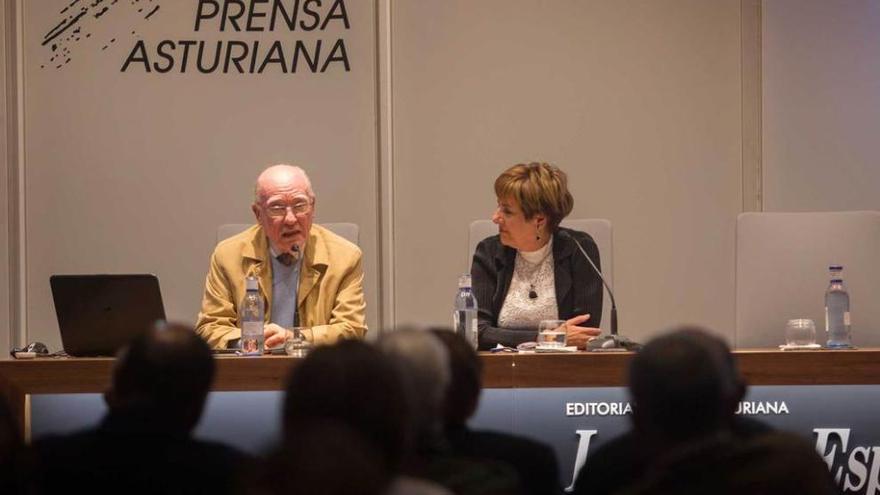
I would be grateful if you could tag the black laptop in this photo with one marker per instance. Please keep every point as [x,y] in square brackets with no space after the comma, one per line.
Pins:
[99,314]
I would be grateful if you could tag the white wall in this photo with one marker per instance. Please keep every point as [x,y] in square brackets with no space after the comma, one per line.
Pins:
[821,119]
[640,102]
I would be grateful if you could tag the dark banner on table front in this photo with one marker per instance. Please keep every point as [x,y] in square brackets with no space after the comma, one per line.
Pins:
[840,420]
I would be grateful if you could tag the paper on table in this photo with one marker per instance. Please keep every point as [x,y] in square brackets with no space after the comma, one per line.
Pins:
[570,348]
[809,347]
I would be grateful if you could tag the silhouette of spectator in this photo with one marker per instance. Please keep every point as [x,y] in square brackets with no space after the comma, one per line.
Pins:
[144,444]
[534,462]
[424,366]
[11,450]
[684,385]
[686,390]
[314,458]
[352,383]
[767,464]
[423,362]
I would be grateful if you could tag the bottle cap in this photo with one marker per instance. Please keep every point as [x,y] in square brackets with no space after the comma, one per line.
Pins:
[251,283]
[836,281]
[464,281]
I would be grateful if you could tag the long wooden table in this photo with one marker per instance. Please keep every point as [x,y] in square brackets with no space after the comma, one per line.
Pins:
[20,379]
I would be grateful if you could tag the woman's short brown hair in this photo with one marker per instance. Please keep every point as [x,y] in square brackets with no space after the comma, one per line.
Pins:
[538,188]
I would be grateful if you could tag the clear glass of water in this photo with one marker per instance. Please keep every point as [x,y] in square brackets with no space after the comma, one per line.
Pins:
[296,344]
[551,333]
[800,333]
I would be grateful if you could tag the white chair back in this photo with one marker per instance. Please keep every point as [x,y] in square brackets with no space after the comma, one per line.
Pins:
[598,228]
[782,264]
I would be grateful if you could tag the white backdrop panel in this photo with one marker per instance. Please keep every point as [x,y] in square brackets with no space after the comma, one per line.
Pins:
[640,102]
[821,117]
[133,171]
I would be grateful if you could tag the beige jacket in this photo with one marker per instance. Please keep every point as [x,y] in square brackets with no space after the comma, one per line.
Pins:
[330,297]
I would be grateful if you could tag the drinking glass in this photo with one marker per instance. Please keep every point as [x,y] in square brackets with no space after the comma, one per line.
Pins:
[296,344]
[800,333]
[551,333]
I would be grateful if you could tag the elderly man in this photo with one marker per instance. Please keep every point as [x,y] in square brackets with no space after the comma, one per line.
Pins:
[308,276]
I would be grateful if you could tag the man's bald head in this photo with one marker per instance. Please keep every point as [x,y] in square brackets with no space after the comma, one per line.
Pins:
[280,175]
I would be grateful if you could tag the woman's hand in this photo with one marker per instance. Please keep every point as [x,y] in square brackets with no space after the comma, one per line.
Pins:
[578,335]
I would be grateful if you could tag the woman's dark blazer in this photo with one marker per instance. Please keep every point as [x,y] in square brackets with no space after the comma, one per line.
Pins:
[578,287]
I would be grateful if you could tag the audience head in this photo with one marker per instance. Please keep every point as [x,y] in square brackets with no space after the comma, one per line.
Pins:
[466,371]
[423,363]
[532,200]
[353,383]
[684,384]
[165,374]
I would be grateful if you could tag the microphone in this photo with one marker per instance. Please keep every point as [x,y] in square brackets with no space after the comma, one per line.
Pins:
[296,254]
[604,342]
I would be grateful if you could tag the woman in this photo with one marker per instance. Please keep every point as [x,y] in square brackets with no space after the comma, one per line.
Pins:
[528,272]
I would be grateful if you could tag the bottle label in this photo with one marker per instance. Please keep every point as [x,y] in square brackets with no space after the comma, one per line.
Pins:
[251,329]
[846,318]
[252,337]
[474,336]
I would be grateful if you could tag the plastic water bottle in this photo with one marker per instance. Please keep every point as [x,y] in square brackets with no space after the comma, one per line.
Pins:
[251,318]
[837,320]
[465,313]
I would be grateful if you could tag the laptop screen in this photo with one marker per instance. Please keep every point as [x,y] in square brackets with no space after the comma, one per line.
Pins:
[99,314]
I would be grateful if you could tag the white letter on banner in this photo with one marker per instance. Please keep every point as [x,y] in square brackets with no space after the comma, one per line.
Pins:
[858,470]
[583,446]
[822,445]
[873,481]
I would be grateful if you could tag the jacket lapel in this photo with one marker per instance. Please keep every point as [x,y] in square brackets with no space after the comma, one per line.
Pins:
[315,261]
[562,250]
[505,258]
[256,251]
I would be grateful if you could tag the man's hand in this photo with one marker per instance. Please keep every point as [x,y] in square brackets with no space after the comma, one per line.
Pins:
[577,335]
[274,335]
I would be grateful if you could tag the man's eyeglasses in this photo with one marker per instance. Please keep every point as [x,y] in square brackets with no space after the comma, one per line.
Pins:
[299,209]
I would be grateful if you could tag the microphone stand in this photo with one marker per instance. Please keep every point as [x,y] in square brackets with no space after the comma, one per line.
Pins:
[296,253]
[613,340]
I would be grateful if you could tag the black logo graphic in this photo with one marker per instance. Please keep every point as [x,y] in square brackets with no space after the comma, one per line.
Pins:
[81,19]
